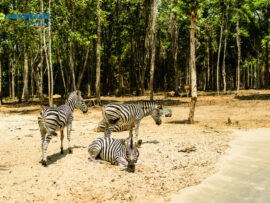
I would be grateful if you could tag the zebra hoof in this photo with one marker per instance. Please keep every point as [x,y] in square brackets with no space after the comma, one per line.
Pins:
[62,151]
[70,151]
[44,163]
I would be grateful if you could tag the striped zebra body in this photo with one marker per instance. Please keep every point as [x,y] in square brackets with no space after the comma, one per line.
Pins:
[116,151]
[124,127]
[53,119]
[130,115]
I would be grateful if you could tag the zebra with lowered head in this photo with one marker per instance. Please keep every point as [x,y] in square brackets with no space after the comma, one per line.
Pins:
[130,114]
[121,152]
[53,119]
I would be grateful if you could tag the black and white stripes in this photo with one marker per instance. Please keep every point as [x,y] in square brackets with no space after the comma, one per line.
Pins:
[116,151]
[132,114]
[53,119]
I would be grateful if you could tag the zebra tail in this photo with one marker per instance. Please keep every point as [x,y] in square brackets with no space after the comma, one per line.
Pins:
[46,128]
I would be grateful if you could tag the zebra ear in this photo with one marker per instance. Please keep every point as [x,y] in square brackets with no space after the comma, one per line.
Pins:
[78,92]
[139,143]
[123,142]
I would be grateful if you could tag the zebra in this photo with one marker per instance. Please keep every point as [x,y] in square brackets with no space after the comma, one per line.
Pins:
[130,114]
[121,152]
[126,127]
[53,119]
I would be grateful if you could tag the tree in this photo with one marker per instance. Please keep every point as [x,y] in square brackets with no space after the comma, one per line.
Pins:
[193,19]
[153,47]
[98,53]
[25,77]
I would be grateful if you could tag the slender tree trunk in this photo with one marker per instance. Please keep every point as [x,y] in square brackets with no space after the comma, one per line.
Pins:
[267,64]
[193,66]
[258,84]
[98,53]
[83,69]
[25,77]
[50,58]
[224,52]
[175,36]
[32,81]
[1,76]
[71,61]
[121,83]
[62,71]
[219,50]
[131,71]
[208,63]
[252,76]
[248,83]
[13,79]
[238,41]
[153,48]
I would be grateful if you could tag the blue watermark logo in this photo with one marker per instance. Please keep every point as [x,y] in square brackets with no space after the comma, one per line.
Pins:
[29,19]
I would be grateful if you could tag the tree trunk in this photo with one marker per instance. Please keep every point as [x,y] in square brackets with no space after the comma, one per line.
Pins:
[120,80]
[219,50]
[175,36]
[224,52]
[193,66]
[248,84]
[252,76]
[238,41]
[153,48]
[62,71]
[83,69]
[25,77]
[1,76]
[50,59]
[131,71]
[98,53]
[13,79]
[71,62]
[267,64]
[208,63]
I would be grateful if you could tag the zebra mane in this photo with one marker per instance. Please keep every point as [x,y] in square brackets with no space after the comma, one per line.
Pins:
[147,104]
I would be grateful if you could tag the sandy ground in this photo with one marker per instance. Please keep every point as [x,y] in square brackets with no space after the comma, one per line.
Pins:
[165,169]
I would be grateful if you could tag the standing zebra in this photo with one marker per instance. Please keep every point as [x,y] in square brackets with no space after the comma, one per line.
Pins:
[121,152]
[125,127]
[53,119]
[130,114]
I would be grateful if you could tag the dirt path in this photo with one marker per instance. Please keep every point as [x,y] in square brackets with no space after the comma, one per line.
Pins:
[244,174]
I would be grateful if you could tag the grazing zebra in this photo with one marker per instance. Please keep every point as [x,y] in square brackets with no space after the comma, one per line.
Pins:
[126,127]
[130,114]
[53,119]
[121,152]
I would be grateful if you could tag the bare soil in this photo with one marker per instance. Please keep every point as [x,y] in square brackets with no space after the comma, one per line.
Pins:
[174,155]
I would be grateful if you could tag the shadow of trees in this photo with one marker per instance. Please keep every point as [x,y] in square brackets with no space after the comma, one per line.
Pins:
[254,97]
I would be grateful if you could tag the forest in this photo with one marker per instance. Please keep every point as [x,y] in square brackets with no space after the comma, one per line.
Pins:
[126,47]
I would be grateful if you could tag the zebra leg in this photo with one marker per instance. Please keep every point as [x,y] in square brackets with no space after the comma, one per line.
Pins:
[68,137]
[137,125]
[62,138]
[93,154]
[107,130]
[131,130]
[45,146]
[43,133]
[120,161]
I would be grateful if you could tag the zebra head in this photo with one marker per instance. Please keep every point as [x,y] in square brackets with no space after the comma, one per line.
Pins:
[80,102]
[157,113]
[132,152]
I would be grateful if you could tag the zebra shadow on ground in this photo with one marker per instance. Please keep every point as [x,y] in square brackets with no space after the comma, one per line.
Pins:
[151,142]
[57,156]
[254,97]
[181,122]
[3,168]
